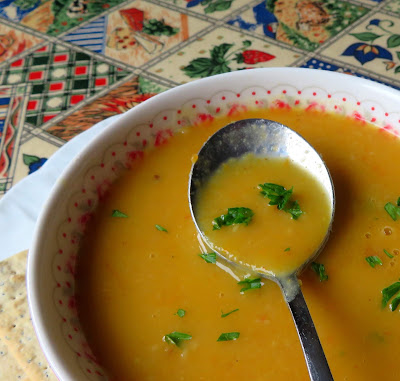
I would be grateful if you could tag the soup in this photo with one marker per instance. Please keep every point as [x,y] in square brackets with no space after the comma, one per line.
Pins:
[141,281]
[285,224]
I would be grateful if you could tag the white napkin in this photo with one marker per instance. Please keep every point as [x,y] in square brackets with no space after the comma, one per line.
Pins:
[21,205]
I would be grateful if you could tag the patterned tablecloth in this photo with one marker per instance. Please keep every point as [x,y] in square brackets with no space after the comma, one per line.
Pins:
[65,65]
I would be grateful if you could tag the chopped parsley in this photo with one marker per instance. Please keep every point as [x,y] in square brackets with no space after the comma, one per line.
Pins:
[280,196]
[250,284]
[239,215]
[228,313]
[373,261]
[161,229]
[387,253]
[176,338]
[388,293]
[181,312]
[395,302]
[209,257]
[229,336]
[287,249]
[277,194]
[294,210]
[393,210]
[319,269]
[118,213]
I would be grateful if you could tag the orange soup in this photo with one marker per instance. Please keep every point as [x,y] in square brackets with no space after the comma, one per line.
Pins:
[154,309]
[247,215]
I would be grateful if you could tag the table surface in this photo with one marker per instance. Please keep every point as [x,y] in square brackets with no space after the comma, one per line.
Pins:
[66,65]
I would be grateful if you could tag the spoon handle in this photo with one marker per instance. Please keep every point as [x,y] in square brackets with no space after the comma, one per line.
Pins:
[317,364]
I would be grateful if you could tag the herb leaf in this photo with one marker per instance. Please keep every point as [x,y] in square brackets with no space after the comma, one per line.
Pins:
[176,338]
[181,312]
[209,257]
[250,284]
[387,253]
[294,210]
[239,215]
[287,249]
[228,313]
[280,196]
[277,194]
[395,302]
[229,336]
[319,269]
[373,260]
[393,210]
[118,213]
[161,229]
[389,292]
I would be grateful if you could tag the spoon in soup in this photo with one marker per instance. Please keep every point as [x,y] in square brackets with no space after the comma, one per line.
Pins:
[269,139]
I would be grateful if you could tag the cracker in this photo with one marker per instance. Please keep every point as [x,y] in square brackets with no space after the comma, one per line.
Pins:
[16,330]
[9,367]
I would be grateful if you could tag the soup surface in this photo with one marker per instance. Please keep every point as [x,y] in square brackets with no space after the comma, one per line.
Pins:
[134,276]
[275,239]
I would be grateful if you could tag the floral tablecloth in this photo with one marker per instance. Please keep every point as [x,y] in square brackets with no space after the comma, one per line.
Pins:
[66,65]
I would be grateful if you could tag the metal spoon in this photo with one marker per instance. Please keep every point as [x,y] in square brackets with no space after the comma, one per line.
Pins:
[267,138]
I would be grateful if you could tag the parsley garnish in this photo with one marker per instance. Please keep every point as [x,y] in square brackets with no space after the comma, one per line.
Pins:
[209,257]
[393,210]
[176,338]
[234,216]
[287,249]
[181,312]
[388,293]
[250,284]
[228,313]
[118,213]
[387,253]
[229,336]
[277,194]
[395,302]
[294,210]
[373,260]
[280,196]
[161,229]
[319,269]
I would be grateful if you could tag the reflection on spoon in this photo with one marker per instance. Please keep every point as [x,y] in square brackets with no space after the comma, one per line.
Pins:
[231,167]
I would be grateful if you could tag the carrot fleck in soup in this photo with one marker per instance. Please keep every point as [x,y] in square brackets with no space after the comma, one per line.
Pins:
[154,309]
[250,218]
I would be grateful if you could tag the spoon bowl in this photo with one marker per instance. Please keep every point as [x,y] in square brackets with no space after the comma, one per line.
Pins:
[269,139]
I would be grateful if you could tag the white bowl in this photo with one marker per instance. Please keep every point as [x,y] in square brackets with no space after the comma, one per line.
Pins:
[52,258]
